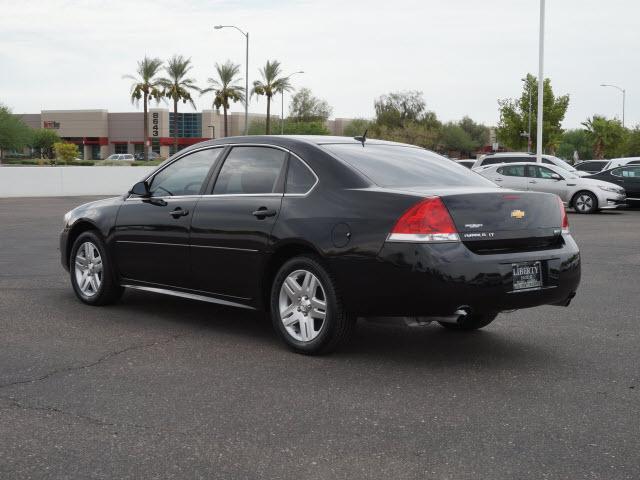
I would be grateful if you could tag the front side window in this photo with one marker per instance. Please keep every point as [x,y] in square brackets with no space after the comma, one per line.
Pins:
[591,166]
[513,171]
[251,171]
[399,166]
[186,175]
[542,172]
[627,172]
[299,178]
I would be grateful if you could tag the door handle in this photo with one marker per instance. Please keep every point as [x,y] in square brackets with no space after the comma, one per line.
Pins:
[533,181]
[498,180]
[263,212]
[178,212]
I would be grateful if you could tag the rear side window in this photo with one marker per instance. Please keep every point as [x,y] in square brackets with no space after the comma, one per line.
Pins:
[399,166]
[251,171]
[299,178]
[513,171]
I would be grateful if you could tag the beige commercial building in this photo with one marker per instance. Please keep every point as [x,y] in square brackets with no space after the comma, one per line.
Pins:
[99,133]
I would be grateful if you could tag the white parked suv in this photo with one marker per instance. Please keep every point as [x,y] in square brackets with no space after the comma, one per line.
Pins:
[512,157]
[585,195]
[121,156]
[621,162]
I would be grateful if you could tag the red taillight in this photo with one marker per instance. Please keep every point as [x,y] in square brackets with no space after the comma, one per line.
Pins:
[565,219]
[426,221]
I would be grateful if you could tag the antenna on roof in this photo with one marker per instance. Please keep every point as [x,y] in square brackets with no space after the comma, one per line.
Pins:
[362,138]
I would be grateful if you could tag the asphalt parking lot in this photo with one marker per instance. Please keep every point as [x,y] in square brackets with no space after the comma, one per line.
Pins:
[160,387]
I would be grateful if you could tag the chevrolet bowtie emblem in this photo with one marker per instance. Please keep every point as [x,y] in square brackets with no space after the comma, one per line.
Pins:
[517,214]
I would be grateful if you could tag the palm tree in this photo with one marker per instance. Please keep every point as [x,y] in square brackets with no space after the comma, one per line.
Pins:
[271,84]
[146,86]
[177,87]
[225,88]
[603,134]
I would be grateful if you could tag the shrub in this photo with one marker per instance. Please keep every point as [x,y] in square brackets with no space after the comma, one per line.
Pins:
[65,152]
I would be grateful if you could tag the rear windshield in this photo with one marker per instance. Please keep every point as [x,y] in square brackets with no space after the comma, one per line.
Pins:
[398,166]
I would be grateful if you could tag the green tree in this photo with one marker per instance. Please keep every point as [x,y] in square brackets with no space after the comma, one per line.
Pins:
[396,109]
[14,134]
[633,143]
[403,117]
[305,107]
[575,140]
[225,89]
[356,127]
[42,139]
[514,116]
[455,138]
[607,136]
[292,127]
[146,87]
[65,152]
[178,88]
[271,83]
[478,132]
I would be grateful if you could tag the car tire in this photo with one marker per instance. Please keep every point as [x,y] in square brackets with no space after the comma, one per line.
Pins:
[584,202]
[306,308]
[91,272]
[471,322]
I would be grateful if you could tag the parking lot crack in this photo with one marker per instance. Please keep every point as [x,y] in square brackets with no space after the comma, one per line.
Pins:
[100,360]
[54,410]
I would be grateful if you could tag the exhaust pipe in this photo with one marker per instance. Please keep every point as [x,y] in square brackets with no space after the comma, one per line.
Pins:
[459,315]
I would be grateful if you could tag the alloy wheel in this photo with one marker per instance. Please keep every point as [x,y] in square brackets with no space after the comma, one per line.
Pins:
[302,305]
[88,269]
[584,203]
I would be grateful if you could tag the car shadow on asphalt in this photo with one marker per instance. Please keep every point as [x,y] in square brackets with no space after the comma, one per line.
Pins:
[494,347]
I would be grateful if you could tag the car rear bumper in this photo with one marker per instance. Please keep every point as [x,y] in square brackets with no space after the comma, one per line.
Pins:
[421,279]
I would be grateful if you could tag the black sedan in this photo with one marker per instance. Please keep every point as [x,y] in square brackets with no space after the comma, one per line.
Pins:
[318,231]
[628,177]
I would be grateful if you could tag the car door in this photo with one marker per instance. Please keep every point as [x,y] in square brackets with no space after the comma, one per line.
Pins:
[151,239]
[512,176]
[543,179]
[628,178]
[231,227]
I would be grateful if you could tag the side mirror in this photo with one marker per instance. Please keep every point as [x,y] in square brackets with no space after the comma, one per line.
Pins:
[141,189]
[555,176]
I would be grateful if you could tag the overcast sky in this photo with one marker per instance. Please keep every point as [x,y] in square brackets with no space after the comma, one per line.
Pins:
[463,54]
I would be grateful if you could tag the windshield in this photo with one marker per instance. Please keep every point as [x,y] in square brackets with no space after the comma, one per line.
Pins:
[400,166]
[562,164]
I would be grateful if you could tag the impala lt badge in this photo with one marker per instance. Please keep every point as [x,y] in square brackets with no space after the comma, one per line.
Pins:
[517,214]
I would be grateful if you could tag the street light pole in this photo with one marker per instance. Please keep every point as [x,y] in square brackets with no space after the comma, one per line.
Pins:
[540,85]
[529,116]
[246,75]
[623,97]
[282,104]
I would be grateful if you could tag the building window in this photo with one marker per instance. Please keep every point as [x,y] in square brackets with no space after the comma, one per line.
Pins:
[120,148]
[189,125]
[138,148]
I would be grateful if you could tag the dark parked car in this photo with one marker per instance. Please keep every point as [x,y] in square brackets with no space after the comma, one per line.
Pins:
[318,231]
[591,166]
[628,177]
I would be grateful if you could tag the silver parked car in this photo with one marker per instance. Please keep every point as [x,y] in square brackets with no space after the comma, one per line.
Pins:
[585,195]
[514,157]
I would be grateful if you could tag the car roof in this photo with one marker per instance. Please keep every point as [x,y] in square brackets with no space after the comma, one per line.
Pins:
[289,140]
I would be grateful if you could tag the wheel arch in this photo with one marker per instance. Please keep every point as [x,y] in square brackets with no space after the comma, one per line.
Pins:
[76,230]
[278,257]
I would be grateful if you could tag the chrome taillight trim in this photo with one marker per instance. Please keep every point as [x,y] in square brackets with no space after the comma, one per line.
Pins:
[423,237]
